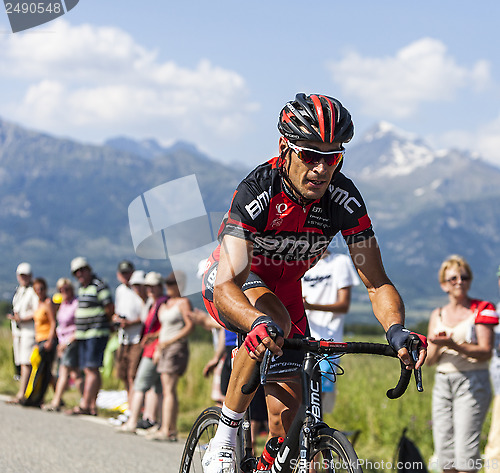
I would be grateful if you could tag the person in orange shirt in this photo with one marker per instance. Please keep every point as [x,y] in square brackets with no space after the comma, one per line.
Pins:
[45,326]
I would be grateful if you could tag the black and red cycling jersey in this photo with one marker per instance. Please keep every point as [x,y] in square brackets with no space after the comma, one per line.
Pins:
[288,238]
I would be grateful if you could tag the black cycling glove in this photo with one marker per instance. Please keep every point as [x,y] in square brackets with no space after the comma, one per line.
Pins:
[398,336]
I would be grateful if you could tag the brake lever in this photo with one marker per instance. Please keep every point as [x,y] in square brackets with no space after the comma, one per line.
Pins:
[418,372]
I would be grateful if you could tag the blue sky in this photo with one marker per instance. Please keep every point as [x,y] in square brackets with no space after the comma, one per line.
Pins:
[217,73]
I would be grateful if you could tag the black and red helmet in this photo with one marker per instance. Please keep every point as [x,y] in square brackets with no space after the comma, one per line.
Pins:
[316,118]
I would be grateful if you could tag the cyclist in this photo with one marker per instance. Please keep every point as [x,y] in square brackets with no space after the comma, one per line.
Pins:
[282,217]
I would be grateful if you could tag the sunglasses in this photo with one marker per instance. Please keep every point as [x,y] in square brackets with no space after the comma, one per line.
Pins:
[454,279]
[313,156]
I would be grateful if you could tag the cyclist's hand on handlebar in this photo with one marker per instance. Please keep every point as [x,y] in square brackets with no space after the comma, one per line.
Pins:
[402,340]
[264,333]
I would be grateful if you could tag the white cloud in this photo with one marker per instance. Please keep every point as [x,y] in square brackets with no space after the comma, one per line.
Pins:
[484,139]
[98,81]
[393,87]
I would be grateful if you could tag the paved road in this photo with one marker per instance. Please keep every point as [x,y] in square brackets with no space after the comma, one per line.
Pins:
[33,441]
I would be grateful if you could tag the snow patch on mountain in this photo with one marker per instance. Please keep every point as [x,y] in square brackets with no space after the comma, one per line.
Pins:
[383,128]
[400,152]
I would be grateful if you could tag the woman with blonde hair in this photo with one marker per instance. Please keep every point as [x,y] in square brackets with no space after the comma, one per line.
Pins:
[460,344]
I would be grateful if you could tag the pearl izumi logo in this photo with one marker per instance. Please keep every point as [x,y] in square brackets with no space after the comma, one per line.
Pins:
[24,15]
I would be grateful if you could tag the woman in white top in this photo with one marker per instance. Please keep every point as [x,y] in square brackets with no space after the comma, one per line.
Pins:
[460,344]
[171,355]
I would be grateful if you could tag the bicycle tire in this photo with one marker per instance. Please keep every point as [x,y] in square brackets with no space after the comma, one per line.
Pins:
[201,433]
[331,452]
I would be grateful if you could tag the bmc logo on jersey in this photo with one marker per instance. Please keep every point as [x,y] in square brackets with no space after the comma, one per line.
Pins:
[257,205]
[290,247]
[342,197]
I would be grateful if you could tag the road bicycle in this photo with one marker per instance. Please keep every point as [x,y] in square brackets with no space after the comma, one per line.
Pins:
[310,445]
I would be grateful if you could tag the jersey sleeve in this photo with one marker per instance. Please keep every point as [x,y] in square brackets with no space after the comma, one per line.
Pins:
[356,225]
[248,212]
[486,313]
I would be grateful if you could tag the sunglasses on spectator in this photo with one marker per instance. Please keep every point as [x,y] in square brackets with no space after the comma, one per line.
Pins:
[454,279]
[313,156]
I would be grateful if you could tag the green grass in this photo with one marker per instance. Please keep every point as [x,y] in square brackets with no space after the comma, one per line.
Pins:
[361,401]
[362,405]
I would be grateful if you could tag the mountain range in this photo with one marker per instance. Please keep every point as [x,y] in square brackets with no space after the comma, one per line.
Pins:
[60,198]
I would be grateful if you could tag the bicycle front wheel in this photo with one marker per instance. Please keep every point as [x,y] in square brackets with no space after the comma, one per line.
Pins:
[331,452]
[203,430]
[201,433]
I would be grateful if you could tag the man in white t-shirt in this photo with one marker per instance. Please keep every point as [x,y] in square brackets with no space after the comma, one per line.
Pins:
[24,304]
[326,289]
[128,310]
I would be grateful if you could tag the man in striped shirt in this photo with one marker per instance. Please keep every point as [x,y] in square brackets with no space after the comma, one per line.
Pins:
[92,318]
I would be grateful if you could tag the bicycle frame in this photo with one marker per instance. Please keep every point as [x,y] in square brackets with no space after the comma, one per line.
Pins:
[308,419]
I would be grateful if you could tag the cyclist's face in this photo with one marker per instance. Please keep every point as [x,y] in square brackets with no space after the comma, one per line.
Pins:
[311,180]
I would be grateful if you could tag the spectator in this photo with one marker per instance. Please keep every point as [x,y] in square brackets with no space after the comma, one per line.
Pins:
[67,348]
[147,376]
[24,304]
[93,314]
[128,309]
[171,354]
[151,400]
[327,296]
[492,450]
[44,318]
[460,343]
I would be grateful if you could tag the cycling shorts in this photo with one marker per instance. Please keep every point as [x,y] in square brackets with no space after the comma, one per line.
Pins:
[291,361]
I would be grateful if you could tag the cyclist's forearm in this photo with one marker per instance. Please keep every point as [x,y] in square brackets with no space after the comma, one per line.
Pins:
[387,305]
[234,305]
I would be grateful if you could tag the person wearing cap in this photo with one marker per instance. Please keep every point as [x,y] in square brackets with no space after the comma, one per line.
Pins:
[147,376]
[492,449]
[128,309]
[92,318]
[24,304]
[137,284]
